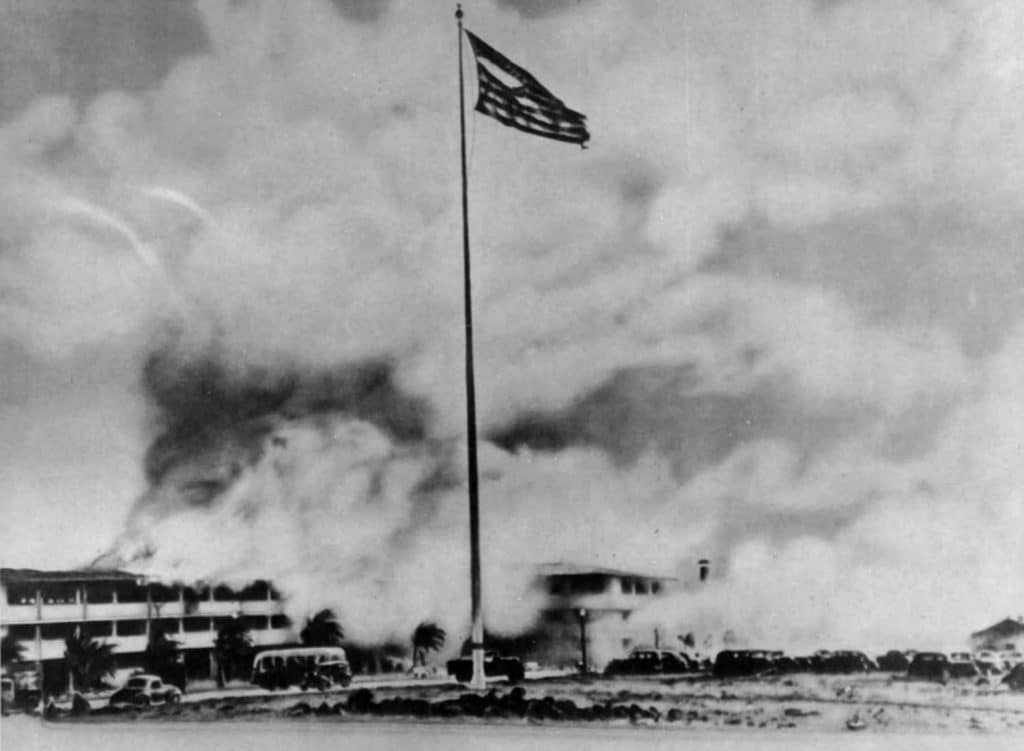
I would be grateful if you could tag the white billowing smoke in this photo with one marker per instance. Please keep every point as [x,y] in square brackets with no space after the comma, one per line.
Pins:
[291,201]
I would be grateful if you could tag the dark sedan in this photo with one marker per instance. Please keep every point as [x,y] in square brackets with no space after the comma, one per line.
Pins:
[931,666]
[144,690]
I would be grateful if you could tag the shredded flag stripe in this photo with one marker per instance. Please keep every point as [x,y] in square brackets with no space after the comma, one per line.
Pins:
[528,107]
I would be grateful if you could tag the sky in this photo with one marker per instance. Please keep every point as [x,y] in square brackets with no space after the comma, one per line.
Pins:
[772,316]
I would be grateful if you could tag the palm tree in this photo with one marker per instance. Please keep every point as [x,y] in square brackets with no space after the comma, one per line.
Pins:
[11,650]
[428,637]
[322,630]
[232,646]
[87,660]
[162,656]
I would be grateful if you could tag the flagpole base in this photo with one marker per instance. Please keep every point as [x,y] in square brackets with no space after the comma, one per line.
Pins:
[479,681]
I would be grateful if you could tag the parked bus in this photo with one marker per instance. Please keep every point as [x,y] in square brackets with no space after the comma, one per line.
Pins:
[307,667]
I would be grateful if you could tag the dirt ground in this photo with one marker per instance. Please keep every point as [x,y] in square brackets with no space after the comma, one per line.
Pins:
[875,703]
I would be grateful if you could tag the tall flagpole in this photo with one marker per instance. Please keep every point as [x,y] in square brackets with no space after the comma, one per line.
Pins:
[478,680]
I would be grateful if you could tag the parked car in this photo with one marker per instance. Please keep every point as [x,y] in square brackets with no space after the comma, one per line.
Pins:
[932,666]
[673,662]
[962,665]
[988,661]
[743,662]
[144,690]
[1015,678]
[637,662]
[846,661]
[512,668]
[894,661]
[805,664]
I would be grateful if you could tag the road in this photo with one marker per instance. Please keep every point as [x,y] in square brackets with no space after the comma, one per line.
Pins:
[402,681]
[22,732]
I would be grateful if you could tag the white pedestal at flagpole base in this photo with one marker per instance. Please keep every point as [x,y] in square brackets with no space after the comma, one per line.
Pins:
[479,681]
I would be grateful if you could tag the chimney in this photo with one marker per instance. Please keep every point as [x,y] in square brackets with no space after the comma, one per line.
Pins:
[704,567]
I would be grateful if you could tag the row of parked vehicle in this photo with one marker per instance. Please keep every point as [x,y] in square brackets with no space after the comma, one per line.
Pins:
[734,663]
[654,662]
[925,665]
[943,666]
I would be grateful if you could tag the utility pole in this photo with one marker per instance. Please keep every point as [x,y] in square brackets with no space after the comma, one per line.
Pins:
[478,680]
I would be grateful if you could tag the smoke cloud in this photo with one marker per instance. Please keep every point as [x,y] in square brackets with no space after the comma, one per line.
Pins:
[772,316]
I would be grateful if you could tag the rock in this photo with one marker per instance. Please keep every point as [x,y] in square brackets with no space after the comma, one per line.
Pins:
[299,709]
[674,715]
[568,709]
[637,713]
[418,707]
[80,705]
[360,701]
[535,710]
[473,704]
[323,709]
[448,708]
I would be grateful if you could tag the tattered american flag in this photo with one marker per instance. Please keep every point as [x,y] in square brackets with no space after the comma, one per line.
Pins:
[528,106]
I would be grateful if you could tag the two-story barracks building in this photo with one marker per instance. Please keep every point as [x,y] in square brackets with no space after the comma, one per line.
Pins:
[40,609]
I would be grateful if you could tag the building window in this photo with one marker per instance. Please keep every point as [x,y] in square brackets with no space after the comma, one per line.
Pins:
[193,625]
[258,590]
[163,593]
[655,588]
[254,622]
[97,629]
[589,584]
[22,632]
[192,596]
[58,594]
[131,628]
[556,586]
[129,591]
[221,622]
[56,630]
[99,593]
[641,587]
[166,625]
[627,586]
[223,593]
[21,594]
[280,621]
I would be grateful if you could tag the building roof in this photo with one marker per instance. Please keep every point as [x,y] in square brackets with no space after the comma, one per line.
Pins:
[31,575]
[1005,627]
[562,568]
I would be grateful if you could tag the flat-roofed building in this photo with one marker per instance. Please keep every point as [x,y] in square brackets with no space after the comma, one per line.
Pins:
[41,608]
[597,604]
